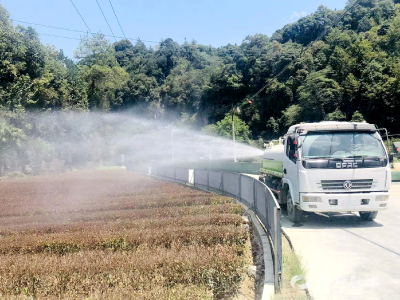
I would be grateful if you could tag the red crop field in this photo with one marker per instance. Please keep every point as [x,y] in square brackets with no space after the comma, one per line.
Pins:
[119,235]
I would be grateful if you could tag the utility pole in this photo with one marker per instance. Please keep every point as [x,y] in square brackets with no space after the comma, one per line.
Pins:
[233,128]
[233,137]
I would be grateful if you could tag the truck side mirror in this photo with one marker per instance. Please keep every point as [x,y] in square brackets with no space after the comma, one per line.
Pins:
[390,158]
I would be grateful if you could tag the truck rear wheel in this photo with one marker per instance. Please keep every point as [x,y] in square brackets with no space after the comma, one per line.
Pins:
[368,215]
[294,212]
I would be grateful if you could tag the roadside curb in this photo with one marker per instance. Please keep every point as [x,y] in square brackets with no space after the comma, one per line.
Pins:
[269,282]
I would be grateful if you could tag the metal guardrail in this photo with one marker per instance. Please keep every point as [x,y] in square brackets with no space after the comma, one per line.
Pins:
[252,192]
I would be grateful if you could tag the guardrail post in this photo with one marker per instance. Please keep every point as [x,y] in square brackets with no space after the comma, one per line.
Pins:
[240,187]
[254,196]
[208,180]
[191,176]
[267,208]
[280,248]
[222,182]
[276,250]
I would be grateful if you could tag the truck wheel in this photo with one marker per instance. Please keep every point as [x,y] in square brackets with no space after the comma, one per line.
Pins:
[293,211]
[368,216]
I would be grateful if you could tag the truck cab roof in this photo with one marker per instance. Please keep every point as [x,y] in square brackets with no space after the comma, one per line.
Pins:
[331,126]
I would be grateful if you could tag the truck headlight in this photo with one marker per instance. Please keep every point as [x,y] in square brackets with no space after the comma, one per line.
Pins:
[311,199]
[382,198]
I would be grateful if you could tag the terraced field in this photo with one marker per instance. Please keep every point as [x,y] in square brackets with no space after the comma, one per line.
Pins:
[118,235]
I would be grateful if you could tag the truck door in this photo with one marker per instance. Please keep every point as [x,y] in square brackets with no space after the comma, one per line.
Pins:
[290,172]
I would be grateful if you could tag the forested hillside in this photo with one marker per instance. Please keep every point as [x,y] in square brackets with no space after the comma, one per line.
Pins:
[353,73]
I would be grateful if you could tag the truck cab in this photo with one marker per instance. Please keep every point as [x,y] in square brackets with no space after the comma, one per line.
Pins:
[331,167]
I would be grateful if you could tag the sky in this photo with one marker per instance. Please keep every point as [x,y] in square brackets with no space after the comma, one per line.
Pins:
[209,22]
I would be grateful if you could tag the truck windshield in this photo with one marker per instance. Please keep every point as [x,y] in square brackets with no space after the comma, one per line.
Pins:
[342,145]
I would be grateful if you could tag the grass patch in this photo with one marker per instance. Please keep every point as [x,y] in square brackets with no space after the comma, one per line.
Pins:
[292,266]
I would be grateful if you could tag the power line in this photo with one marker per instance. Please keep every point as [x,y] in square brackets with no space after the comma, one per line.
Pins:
[117,19]
[59,36]
[81,17]
[49,26]
[106,19]
[73,30]
[303,50]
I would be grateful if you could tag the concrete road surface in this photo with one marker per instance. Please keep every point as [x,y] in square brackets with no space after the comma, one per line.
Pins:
[348,258]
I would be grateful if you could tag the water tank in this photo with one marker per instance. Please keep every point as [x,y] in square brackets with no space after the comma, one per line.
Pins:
[273,160]
[274,153]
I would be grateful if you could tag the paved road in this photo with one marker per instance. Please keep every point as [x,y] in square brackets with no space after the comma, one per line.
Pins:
[348,258]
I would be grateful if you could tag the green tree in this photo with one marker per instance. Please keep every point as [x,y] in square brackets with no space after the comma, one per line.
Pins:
[355,67]
[104,85]
[319,95]
[273,126]
[95,50]
[357,117]
[167,56]
[291,115]
[224,128]
[104,78]
[337,115]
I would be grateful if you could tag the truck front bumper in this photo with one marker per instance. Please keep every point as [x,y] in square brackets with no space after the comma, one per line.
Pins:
[344,202]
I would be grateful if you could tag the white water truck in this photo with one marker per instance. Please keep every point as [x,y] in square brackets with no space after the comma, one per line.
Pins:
[330,167]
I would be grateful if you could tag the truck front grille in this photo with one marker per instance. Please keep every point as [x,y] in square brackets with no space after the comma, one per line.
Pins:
[340,184]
